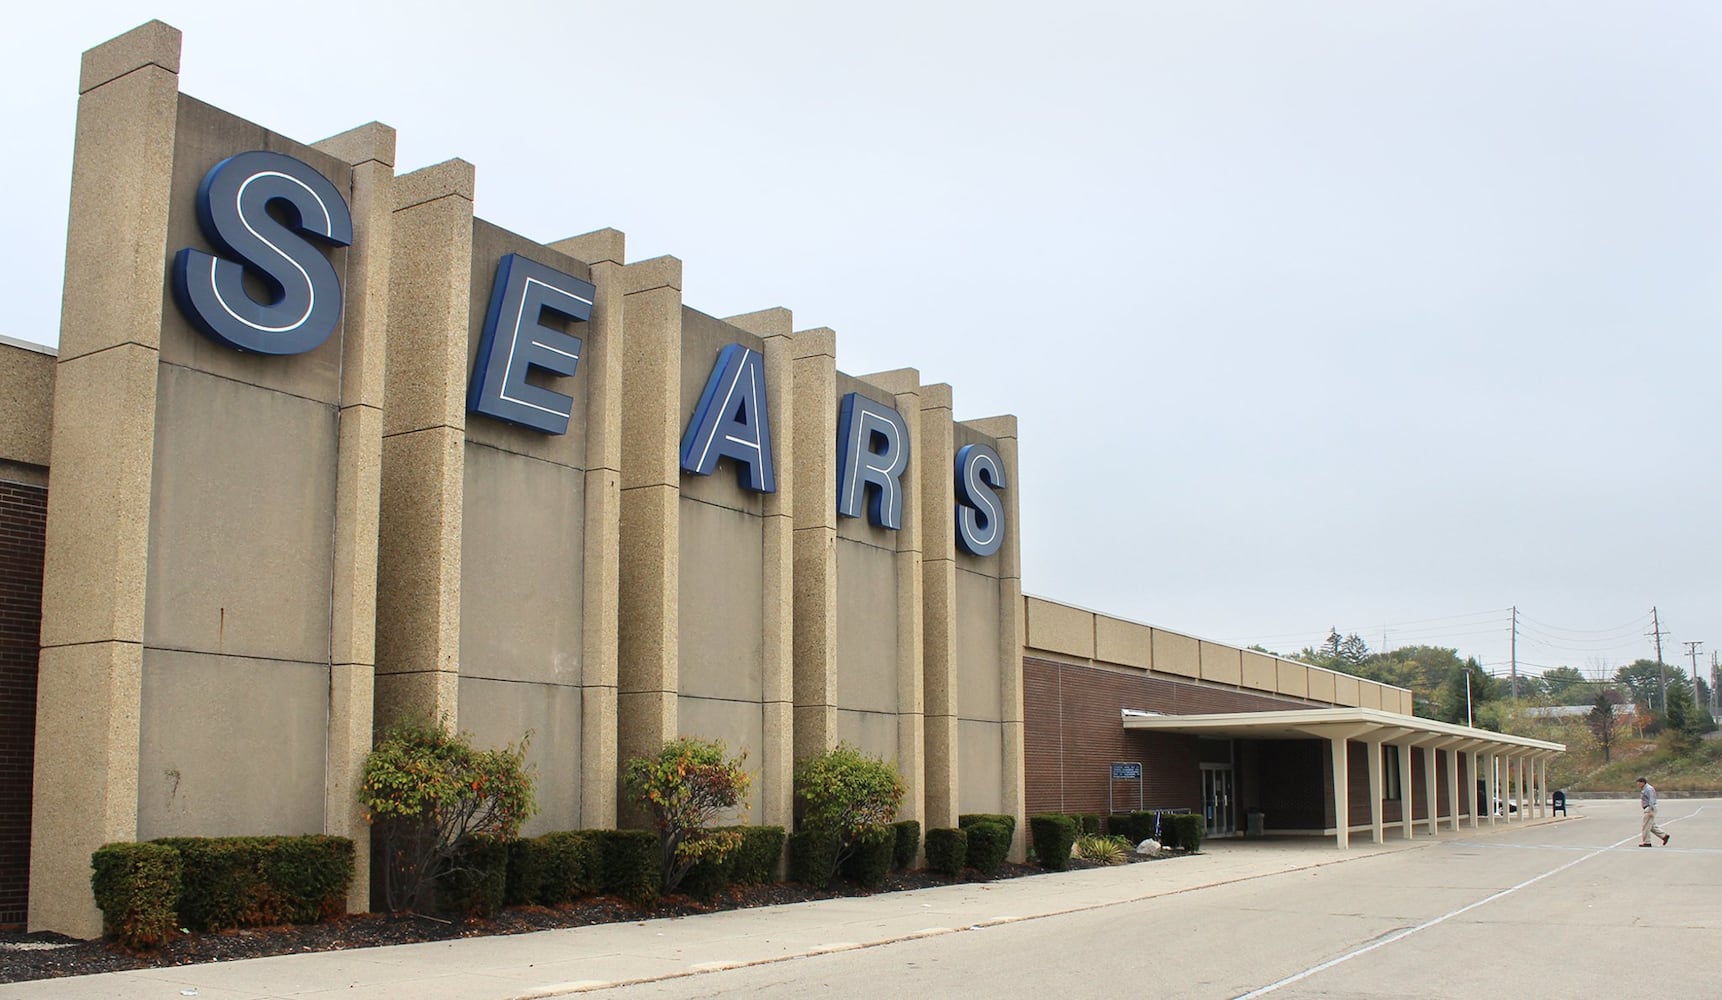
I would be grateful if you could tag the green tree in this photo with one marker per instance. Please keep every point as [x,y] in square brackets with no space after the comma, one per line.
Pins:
[685,787]
[849,794]
[1606,726]
[1643,680]
[1562,683]
[1466,685]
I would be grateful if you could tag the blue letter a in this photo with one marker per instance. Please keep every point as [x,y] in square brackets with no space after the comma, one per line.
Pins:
[731,421]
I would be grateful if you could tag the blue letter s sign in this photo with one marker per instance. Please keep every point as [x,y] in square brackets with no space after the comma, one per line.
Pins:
[305,292]
[980,514]
[515,340]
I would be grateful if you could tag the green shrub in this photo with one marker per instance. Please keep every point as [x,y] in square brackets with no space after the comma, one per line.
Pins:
[947,850]
[1139,826]
[989,843]
[313,874]
[526,860]
[135,886]
[870,862]
[967,820]
[1086,822]
[476,879]
[630,864]
[1104,850]
[685,786]
[1182,831]
[261,881]
[571,860]
[813,857]
[756,860]
[710,876]
[908,844]
[1053,835]
[429,792]
[848,794]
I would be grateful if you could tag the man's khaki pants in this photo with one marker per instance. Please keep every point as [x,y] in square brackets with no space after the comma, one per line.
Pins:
[1650,827]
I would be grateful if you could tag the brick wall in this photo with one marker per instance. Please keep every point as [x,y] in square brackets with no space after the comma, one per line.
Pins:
[23,517]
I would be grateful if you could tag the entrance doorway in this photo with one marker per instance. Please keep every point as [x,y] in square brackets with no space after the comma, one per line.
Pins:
[1219,811]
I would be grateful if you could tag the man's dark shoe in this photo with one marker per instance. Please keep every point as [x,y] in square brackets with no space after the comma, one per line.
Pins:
[1665,840]
[1644,845]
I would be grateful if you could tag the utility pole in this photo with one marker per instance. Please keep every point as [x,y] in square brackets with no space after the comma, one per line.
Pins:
[1515,647]
[1715,682]
[1661,671]
[1692,651]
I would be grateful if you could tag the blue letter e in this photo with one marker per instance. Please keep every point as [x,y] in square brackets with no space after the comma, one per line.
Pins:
[515,340]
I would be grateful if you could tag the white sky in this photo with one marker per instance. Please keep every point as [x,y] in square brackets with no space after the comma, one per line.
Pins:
[1384,316]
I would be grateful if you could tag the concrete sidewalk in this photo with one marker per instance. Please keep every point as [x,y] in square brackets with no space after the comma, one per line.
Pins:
[558,962]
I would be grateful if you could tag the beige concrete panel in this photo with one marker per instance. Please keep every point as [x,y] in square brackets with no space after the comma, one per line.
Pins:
[722,635]
[371,150]
[816,604]
[122,166]
[1291,678]
[230,496]
[522,569]
[204,137]
[815,729]
[812,466]
[740,725]
[940,809]
[430,284]
[980,675]
[1369,695]
[874,733]
[981,752]
[1407,704]
[1126,643]
[27,401]
[1345,690]
[419,552]
[1176,654]
[599,629]
[647,638]
[1221,664]
[86,776]
[1060,628]
[645,721]
[548,716]
[602,360]
[867,630]
[97,542]
[937,455]
[780,399]
[774,322]
[776,792]
[777,756]
[231,746]
[940,635]
[814,454]
[1258,671]
[652,358]
[1321,685]
[599,246]
[350,739]
[422,696]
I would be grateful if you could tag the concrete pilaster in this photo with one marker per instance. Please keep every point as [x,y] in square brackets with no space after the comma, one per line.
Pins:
[814,357]
[424,460]
[939,617]
[97,543]
[1012,633]
[1341,759]
[1407,825]
[1377,833]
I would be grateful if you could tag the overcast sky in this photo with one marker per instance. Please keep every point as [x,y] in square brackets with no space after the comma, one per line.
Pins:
[1387,316]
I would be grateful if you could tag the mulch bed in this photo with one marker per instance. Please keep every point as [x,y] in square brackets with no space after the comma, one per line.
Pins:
[47,956]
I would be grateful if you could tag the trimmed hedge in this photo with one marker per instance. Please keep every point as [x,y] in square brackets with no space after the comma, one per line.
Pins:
[870,862]
[813,857]
[632,864]
[260,881]
[708,877]
[135,886]
[989,839]
[756,860]
[908,844]
[1053,836]
[476,879]
[1182,830]
[947,849]
[1086,823]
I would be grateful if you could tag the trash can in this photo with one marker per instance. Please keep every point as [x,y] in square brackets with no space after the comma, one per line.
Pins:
[1255,819]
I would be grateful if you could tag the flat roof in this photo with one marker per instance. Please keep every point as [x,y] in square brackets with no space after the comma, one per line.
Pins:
[1334,723]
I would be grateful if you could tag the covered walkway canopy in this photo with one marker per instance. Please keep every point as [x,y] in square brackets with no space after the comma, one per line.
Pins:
[1505,758]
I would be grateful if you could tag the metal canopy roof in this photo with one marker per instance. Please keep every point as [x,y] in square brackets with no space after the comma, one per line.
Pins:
[1335,723]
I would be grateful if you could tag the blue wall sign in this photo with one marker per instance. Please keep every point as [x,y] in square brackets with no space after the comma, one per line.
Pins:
[515,340]
[304,291]
[731,421]
[980,515]
[873,452]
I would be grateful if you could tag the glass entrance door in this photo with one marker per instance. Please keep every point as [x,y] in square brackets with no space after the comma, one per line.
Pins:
[1219,814]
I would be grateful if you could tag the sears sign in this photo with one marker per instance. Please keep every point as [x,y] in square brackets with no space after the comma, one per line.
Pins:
[285,252]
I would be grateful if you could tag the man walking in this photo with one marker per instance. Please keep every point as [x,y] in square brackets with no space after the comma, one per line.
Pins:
[1647,802]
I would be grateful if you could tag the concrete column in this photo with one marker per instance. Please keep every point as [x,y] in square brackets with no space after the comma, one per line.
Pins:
[815,511]
[1543,786]
[1471,777]
[939,592]
[1341,791]
[1377,833]
[1012,631]
[424,454]
[1492,784]
[358,486]
[905,387]
[649,575]
[606,252]
[1454,802]
[777,766]
[1431,800]
[1407,825]
[103,438]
